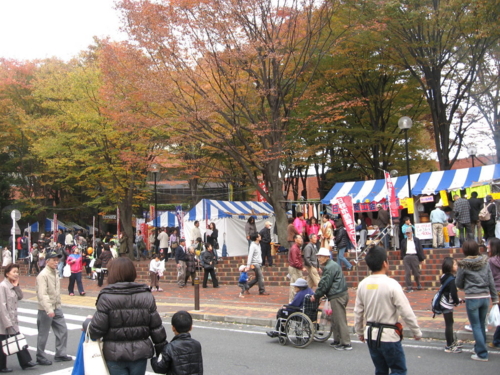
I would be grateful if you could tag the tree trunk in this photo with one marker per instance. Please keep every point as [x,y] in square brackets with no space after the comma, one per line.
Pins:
[125,207]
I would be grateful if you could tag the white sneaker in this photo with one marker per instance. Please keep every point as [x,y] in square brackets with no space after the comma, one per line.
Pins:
[476,358]
[469,328]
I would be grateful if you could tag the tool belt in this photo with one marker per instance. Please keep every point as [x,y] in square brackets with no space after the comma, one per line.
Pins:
[398,327]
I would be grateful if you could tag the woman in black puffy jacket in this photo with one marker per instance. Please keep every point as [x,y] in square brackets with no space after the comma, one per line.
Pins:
[127,321]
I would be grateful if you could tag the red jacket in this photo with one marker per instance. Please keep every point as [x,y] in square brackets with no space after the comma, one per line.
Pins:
[295,257]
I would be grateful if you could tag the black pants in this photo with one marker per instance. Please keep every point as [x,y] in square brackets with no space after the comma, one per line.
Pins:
[266,254]
[210,271]
[191,275]
[23,356]
[448,331]
[34,263]
[100,276]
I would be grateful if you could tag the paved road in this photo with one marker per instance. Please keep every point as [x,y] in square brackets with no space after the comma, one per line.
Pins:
[239,349]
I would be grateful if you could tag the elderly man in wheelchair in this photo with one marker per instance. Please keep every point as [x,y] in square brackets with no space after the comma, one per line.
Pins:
[301,290]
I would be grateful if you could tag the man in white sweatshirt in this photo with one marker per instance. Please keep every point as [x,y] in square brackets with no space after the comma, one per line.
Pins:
[380,300]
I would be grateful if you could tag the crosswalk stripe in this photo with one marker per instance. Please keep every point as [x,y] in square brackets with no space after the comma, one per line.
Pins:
[27,319]
[77,318]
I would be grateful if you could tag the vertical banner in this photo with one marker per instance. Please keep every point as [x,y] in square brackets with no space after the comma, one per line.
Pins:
[152,214]
[347,213]
[391,192]
[93,234]
[410,205]
[55,227]
[444,197]
[260,198]
[118,222]
[180,219]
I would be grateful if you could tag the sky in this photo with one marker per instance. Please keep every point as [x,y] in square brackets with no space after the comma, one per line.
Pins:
[37,29]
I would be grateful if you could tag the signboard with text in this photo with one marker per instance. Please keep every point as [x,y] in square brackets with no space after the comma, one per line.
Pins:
[423,231]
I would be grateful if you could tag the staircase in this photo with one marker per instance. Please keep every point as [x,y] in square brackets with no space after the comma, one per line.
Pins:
[228,274]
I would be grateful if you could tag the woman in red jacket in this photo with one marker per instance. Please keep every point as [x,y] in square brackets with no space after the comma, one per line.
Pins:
[76,264]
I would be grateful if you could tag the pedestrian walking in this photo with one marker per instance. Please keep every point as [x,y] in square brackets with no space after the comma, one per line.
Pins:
[380,302]
[332,285]
[448,301]
[50,315]
[130,338]
[475,278]
[254,263]
[208,262]
[75,261]
[10,293]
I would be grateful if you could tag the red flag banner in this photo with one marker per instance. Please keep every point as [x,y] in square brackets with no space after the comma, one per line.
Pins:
[347,213]
[391,192]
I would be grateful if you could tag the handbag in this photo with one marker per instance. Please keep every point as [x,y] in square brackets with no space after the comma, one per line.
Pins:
[14,344]
[93,359]
[67,270]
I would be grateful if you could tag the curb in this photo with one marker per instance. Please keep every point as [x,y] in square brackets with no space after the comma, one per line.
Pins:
[433,334]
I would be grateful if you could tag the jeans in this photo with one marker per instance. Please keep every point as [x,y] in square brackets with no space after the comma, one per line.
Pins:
[127,368]
[257,279]
[341,259]
[60,267]
[477,309]
[388,356]
[386,239]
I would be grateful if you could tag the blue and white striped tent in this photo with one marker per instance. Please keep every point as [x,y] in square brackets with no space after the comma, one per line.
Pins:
[371,190]
[230,219]
[213,209]
[166,219]
[49,225]
[422,184]
[433,182]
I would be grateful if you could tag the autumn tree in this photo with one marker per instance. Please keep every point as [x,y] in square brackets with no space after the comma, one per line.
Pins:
[441,43]
[486,95]
[231,70]
[87,147]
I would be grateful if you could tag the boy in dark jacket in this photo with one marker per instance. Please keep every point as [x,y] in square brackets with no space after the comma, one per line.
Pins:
[182,356]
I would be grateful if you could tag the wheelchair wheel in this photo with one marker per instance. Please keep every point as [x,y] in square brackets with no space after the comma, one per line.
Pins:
[324,327]
[299,330]
[282,340]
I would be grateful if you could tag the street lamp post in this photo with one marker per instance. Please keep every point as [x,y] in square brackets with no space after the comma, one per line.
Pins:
[155,169]
[472,150]
[405,123]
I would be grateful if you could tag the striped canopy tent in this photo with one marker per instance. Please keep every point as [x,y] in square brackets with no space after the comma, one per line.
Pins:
[49,225]
[457,179]
[230,219]
[166,219]
[371,191]
[35,227]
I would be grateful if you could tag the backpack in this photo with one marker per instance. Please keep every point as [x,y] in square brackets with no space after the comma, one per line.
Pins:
[436,307]
[484,214]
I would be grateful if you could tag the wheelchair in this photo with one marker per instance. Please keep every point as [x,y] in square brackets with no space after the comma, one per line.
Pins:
[306,325]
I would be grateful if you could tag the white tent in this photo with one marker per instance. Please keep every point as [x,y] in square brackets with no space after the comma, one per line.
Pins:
[230,219]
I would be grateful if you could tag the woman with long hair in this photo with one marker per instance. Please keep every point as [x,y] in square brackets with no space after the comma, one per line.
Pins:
[475,278]
[213,236]
[127,321]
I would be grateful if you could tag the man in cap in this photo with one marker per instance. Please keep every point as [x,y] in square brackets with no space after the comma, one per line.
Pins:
[301,290]
[50,315]
[332,285]
[438,219]
[180,259]
[412,254]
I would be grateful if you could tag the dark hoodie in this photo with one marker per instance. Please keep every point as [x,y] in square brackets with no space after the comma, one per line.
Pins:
[495,270]
[341,238]
[475,278]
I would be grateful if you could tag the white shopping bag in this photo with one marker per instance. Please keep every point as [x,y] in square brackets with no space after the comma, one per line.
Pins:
[92,356]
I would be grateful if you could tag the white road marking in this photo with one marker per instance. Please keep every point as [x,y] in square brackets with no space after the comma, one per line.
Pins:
[27,319]
[78,318]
